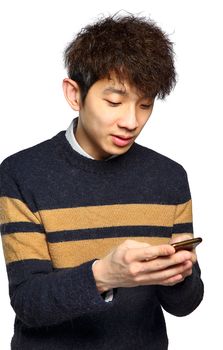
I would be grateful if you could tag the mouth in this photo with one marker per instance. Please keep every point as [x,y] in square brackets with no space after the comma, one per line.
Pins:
[121,140]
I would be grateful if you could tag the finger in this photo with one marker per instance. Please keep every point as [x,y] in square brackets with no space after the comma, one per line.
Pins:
[193,257]
[180,277]
[165,262]
[173,280]
[188,268]
[160,277]
[180,269]
[155,251]
[148,253]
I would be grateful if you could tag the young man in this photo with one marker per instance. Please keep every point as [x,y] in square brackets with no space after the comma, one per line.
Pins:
[87,217]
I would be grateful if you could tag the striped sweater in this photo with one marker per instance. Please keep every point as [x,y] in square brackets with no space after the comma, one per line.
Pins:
[59,212]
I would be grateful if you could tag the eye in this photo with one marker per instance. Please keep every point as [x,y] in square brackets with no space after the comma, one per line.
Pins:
[113,104]
[146,106]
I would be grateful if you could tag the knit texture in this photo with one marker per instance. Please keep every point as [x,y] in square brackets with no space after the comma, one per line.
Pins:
[59,211]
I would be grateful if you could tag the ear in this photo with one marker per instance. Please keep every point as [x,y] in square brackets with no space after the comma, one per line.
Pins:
[72,93]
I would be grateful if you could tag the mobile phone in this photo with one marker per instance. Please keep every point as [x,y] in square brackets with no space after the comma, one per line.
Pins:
[189,244]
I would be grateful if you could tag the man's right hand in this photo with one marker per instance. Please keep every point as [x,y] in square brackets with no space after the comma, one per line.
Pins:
[134,263]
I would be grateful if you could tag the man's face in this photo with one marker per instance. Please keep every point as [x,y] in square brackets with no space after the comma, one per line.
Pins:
[112,117]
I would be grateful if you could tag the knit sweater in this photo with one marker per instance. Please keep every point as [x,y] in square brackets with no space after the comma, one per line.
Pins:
[59,212]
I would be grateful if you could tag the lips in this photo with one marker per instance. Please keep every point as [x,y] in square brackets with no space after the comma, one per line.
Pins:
[121,140]
[123,137]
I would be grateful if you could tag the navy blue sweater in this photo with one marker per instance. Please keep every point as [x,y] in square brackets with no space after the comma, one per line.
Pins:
[59,211]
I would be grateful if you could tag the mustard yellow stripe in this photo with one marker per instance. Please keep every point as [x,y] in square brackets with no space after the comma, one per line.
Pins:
[180,234]
[27,245]
[183,213]
[70,254]
[107,216]
[14,210]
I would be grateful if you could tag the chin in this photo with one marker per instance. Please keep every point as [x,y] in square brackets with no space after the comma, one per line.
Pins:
[115,150]
[122,150]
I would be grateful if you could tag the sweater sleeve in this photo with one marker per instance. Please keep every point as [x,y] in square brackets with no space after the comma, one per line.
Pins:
[40,295]
[183,298]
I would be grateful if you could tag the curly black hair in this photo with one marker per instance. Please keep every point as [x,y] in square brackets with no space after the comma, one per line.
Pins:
[132,47]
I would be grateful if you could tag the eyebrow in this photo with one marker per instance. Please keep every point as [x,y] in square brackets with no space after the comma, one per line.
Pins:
[111,89]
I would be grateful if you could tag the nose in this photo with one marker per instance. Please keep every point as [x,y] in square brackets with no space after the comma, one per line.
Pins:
[129,119]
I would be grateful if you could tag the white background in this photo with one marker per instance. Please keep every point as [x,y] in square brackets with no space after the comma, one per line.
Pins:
[186,127]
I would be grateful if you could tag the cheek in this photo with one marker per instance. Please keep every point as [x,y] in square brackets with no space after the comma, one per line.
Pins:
[148,115]
[143,118]
[96,110]
[105,117]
